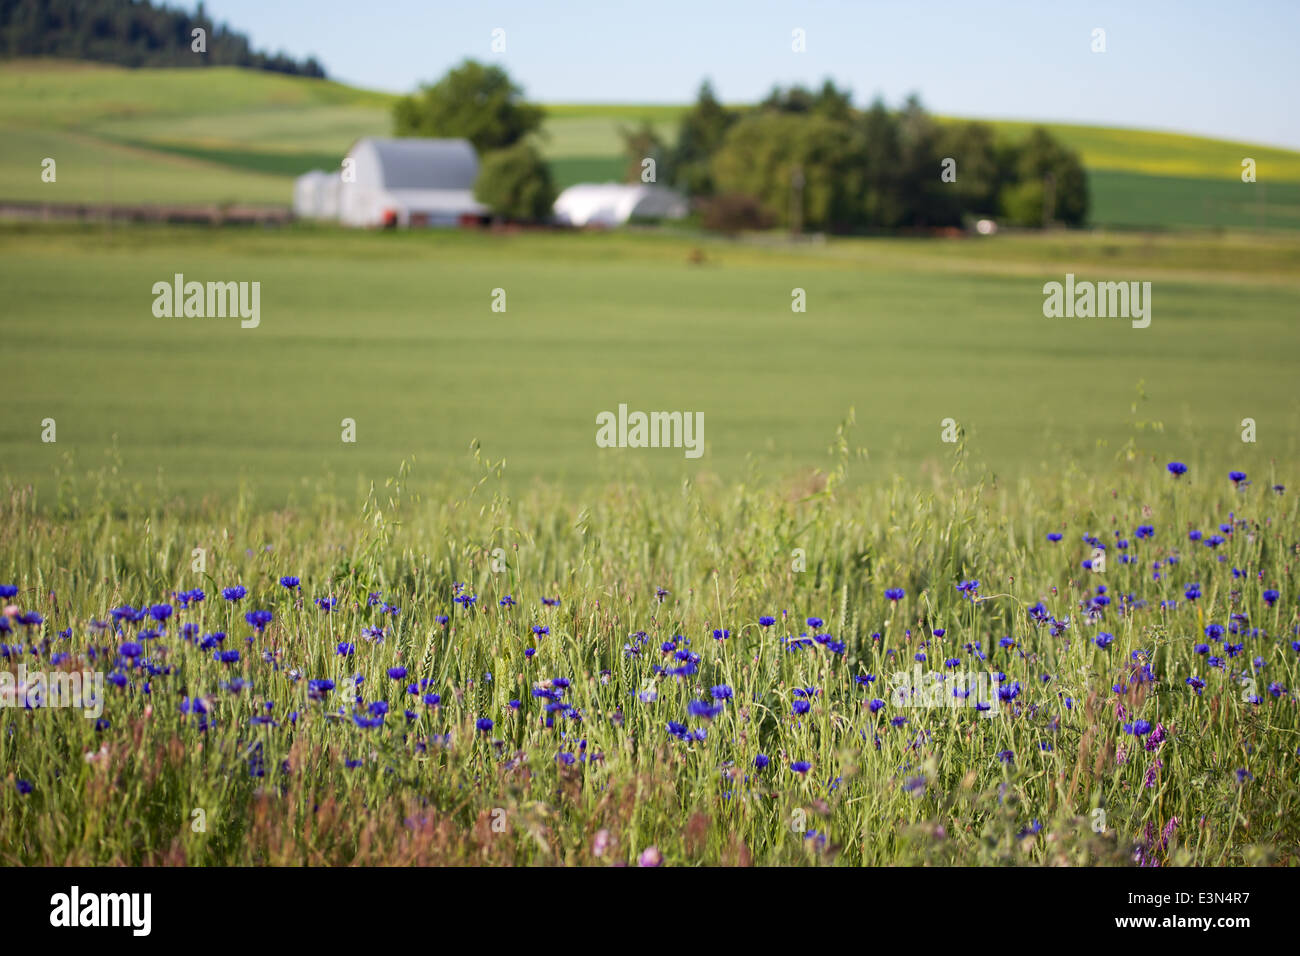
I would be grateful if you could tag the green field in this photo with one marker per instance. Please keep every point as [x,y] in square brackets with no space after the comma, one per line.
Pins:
[397,332]
[229,135]
[485,639]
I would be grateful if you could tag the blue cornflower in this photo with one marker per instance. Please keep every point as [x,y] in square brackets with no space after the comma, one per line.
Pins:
[703,709]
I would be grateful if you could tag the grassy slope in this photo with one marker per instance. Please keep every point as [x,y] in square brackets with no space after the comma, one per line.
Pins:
[176,135]
[396,332]
[227,134]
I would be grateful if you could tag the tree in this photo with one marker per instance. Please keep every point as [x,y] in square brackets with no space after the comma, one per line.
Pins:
[477,102]
[132,34]
[1051,174]
[880,202]
[764,154]
[515,183]
[829,101]
[980,173]
[700,134]
[639,144]
[925,198]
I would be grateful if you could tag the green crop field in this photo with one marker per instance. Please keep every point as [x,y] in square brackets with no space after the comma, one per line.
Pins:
[398,333]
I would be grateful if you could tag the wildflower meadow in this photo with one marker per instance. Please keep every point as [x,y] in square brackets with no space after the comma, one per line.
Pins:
[706,675]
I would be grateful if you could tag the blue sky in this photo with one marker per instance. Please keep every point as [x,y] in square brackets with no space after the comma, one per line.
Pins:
[1222,69]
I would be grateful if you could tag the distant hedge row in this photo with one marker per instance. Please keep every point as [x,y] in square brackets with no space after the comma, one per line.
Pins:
[131,33]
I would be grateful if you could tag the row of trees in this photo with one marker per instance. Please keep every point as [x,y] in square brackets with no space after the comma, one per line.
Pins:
[132,33]
[809,157]
[799,158]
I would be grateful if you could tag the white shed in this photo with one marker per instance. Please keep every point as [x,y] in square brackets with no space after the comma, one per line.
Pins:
[309,194]
[612,204]
[409,182]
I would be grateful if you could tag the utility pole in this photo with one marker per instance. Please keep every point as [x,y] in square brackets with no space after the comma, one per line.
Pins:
[1049,199]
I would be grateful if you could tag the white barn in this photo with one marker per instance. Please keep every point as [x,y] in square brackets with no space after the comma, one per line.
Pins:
[316,195]
[409,182]
[612,204]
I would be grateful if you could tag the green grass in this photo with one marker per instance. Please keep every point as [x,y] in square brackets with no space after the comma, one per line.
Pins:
[191,453]
[1051,777]
[571,170]
[1126,199]
[396,331]
[93,169]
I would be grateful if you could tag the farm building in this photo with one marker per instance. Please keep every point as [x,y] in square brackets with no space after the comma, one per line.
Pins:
[612,204]
[409,182]
[316,195]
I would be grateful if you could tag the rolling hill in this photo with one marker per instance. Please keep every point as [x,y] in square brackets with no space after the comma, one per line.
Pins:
[226,134]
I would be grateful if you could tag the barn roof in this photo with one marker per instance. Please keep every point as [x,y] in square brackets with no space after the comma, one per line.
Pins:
[422,163]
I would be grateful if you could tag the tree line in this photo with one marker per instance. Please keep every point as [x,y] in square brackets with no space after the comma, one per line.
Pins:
[810,158]
[800,158]
[132,33]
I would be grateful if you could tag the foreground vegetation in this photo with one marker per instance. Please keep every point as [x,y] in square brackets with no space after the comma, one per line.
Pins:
[639,677]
